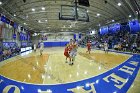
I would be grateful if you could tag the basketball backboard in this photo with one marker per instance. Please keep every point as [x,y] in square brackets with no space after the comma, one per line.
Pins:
[68,13]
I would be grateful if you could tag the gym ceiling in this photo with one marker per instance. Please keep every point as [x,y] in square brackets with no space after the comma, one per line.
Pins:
[43,15]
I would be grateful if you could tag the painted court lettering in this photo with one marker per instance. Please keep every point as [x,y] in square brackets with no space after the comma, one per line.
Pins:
[1,81]
[134,63]
[82,90]
[116,80]
[127,69]
[7,88]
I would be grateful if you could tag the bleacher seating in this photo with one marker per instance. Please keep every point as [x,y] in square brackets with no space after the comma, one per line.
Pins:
[118,41]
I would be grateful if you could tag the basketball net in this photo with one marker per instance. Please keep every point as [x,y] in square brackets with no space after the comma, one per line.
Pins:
[73,23]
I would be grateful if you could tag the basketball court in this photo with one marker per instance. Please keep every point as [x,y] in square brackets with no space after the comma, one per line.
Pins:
[69,46]
[51,69]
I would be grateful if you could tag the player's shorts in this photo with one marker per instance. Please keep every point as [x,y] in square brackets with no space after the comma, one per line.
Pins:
[73,54]
[89,48]
[106,48]
[66,54]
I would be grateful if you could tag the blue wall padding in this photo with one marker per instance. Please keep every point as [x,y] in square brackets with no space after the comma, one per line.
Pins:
[55,44]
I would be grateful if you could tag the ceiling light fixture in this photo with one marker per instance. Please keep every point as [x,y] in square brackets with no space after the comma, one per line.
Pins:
[33,9]
[14,14]
[27,16]
[130,16]
[113,20]
[119,4]
[98,14]
[43,8]
[39,21]
[136,12]
[0,2]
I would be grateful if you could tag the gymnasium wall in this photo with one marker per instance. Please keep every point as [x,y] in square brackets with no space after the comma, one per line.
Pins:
[7,34]
[54,39]
[58,39]
[57,36]
[11,32]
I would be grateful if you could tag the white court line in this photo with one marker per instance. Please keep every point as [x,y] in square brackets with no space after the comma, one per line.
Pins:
[45,66]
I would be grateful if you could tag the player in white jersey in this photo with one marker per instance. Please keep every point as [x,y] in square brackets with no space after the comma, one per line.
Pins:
[73,52]
[41,47]
[106,47]
[35,47]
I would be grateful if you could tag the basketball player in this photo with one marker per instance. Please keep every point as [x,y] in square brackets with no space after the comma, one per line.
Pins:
[88,47]
[41,48]
[70,46]
[35,47]
[73,52]
[66,52]
[106,47]
[134,47]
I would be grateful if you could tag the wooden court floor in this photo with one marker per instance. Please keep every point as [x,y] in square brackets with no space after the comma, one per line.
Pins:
[50,68]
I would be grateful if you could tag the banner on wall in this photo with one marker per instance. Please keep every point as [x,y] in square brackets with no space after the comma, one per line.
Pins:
[9,44]
[23,36]
[104,30]
[114,28]
[134,26]
[5,20]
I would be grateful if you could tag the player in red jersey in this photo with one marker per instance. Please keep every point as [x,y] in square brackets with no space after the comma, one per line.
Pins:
[88,47]
[70,45]
[66,52]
